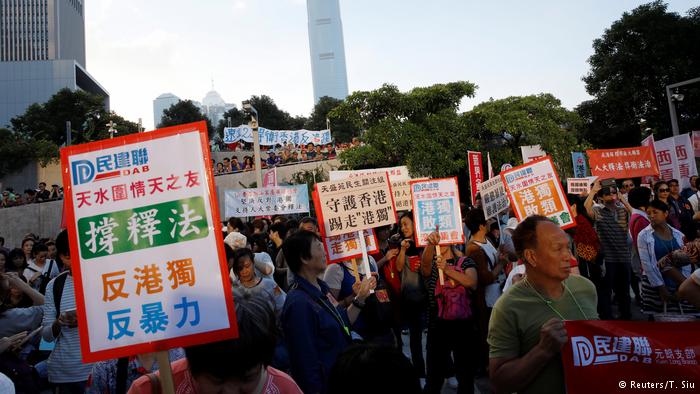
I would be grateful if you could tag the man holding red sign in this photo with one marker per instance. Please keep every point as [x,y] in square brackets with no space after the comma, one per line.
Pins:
[526,331]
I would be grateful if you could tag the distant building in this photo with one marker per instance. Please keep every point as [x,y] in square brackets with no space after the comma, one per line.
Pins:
[42,50]
[160,104]
[327,49]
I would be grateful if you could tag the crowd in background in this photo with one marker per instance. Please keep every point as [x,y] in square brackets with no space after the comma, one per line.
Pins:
[30,196]
[308,326]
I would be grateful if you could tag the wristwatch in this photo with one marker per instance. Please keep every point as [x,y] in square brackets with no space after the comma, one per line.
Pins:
[357,303]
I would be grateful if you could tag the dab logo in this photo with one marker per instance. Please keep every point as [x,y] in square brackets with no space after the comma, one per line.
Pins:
[110,166]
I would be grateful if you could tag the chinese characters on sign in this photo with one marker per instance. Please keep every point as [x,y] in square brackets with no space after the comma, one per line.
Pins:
[476,173]
[354,204]
[494,198]
[436,205]
[623,162]
[580,167]
[347,246]
[399,173]
[685,154]
[149,267]
[277,200]
[274,137]
[600,353]
[402,194]
[534,189]
[580,185]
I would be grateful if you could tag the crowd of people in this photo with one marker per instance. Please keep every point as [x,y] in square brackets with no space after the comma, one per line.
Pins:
[307,326]
[30,196]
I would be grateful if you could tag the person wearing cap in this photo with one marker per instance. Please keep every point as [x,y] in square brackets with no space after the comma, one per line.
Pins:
[611,219]
[272,160]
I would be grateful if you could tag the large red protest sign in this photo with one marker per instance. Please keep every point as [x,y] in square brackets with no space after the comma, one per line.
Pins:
[534,189]
[623,357]
[147,254]
[348,246]
[476,173]
[623,162]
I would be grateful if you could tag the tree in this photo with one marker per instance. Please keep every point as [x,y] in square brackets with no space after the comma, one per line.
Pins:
[504,125]
[420,128]
[269,116]
[642,52]
[342,131]
[184,112]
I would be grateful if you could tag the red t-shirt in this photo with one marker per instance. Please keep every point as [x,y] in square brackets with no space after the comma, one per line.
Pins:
[277,381]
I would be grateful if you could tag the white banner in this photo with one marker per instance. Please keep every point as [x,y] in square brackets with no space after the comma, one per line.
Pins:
[580,185]
[271,200]
[399,173]
[667,159]
[531,152]
[494,198]
[686,159]
[274,137]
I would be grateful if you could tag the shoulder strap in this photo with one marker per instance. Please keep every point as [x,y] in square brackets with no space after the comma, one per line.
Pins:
[155,383]
[122,369]
[58,285]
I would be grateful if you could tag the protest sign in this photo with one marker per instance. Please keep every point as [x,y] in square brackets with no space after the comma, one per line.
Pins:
[649,141]
[399,173]
[270,177]
[531,152]
[667,159]
[622,163]
[402,194]
[476,173]
[626,356]
[580,185]
[126,198]
[696,142]
[489,166]
[355,204]
[580,167]
[347,246]
[436,203]
[494,198]
[534,189]
[686,159]
[274,137]
[274,200]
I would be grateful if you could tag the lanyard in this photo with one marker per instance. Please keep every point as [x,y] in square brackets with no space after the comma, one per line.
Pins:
[549,302]
[330,309]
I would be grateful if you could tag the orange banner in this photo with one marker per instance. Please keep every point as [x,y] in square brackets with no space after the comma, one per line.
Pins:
[623,162]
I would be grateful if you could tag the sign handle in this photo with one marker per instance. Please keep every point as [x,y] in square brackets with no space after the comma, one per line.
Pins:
[166,373]
[355,272]
[365,259]
[440,273]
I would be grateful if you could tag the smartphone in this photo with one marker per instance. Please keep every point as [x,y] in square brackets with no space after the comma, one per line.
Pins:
[70,314]
[610,182]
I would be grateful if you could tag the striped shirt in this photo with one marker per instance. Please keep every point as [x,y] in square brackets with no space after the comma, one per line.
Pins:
[64,362]
[612,228]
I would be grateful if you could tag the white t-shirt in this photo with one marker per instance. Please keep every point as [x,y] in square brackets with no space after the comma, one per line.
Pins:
[32,269]
[519,269]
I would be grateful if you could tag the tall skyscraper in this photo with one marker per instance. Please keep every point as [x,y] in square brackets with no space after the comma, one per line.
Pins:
[327,49]
[160,104]
[42,50]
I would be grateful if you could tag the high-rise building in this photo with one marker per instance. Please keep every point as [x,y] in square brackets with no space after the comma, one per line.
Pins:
[42,50]
[327,49]
[160,104]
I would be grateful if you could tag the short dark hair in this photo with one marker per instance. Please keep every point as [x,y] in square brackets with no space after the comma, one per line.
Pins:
[308,219]
[280,228]
[658,204]
[38,248]
[238,255]
[658,184]
[28,239]
[385,366]
[14,253]
[297,247]
[525,235]
[673,181]
[697,182]
[255,345]
[258,224]
[236,223]
[639,197]
[62,246]
[475,219]
[2,240]
[259,240]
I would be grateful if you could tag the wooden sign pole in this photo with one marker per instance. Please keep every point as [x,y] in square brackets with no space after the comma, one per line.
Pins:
[355,271]
[440,273]
[166,373]
[365,258]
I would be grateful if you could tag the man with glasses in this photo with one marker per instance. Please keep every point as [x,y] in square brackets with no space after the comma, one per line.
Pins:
[682,209]
[627,185]
[611,220]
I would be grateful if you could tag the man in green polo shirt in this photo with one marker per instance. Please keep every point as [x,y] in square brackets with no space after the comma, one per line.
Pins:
[526,331]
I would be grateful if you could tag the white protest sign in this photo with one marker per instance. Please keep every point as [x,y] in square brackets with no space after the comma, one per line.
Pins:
[147,254]
[579,185]
[686,159]
[272,200]
[531,152]
[275,137]
[436,204]
[666,159]
[399,173]
[494,198]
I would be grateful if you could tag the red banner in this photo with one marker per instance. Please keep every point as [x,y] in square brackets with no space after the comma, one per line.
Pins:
[696,143]
[649,141]
[476,173]
[625,356]
[622,162]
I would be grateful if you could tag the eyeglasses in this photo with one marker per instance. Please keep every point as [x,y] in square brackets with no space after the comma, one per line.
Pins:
[664,190]
[628,185]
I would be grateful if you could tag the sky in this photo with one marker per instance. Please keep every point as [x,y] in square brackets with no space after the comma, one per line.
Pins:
[139,49]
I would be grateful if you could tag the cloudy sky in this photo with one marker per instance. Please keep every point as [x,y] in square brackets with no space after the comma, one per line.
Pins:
[140,49]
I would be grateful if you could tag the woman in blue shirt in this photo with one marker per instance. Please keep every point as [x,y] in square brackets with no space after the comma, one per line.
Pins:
[316,327]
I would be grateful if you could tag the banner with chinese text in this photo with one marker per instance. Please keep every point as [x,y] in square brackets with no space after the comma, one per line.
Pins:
[274,137]
[685,154]
[580,185]
[274,200]
[696,142]
[126,199]
[534,189]
[436,205]
[580,167]
[476,173]
[649,141]
[667,159]
[399,173]
[347,246]
[622,163]
[531,152]
[402,194]
[494,198]
[355,204]
[626,356]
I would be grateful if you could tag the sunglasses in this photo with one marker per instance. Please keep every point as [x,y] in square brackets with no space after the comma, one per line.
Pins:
[664,190]
[628,185]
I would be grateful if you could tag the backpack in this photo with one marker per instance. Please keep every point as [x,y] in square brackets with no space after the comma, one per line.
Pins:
[58,284]
[45,278]
[452,298]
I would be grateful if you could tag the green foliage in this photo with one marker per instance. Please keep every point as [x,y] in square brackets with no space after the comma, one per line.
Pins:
[310,178]
[184,112]
[342,130]
[270,116]
[642,52]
